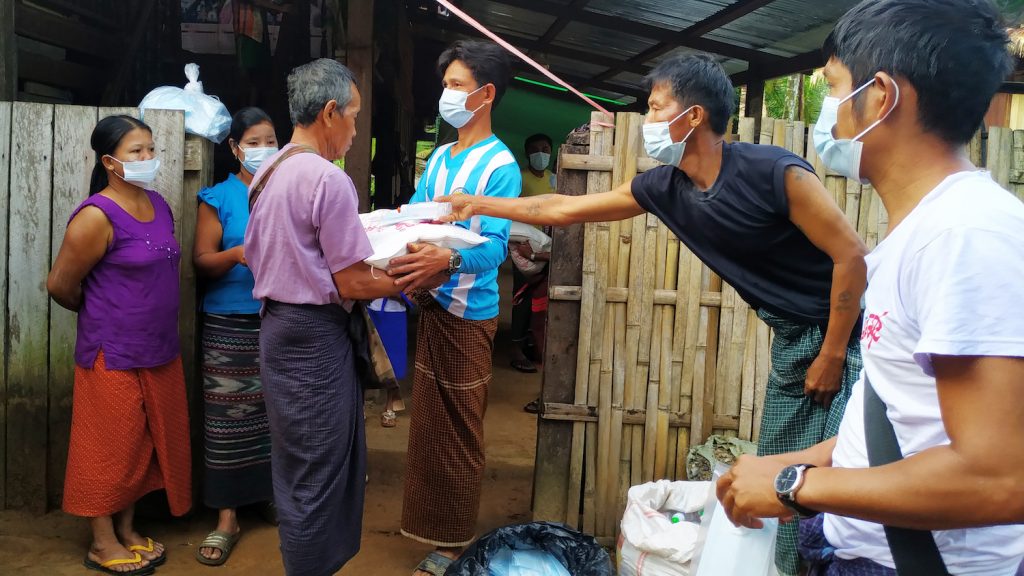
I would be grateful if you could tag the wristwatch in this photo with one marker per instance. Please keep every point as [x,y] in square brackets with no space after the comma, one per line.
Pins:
[788,482]
[454,262]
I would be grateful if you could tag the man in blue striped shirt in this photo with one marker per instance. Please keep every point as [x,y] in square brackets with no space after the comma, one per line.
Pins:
[445,461]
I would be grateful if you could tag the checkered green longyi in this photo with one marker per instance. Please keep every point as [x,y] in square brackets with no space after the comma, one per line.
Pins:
[792,421]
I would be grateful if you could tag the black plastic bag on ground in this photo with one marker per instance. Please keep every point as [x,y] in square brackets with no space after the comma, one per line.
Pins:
[579,553]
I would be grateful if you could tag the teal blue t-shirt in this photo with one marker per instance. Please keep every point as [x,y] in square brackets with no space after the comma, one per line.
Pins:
[231,293]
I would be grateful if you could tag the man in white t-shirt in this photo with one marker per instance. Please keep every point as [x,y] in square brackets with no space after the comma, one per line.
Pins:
[943,338]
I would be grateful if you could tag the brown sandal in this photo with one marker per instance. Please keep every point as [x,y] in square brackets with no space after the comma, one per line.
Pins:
[389,419]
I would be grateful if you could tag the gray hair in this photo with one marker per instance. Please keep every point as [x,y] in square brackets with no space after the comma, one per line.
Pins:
[311,86]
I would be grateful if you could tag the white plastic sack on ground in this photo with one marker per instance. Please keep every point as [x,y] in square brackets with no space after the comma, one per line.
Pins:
[539,241]
[390,240]
[205,115]
[510,562]
[649,543]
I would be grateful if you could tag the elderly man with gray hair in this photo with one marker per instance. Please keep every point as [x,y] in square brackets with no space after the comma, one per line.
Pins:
[305,246]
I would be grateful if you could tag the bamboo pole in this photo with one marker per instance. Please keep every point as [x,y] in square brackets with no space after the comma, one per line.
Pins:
[1000,154]
[1017,168]
[767,130]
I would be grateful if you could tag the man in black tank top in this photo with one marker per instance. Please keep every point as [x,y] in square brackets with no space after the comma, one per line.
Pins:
[760,218]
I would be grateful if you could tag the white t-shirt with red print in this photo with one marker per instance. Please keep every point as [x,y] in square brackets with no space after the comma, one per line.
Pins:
[948,281]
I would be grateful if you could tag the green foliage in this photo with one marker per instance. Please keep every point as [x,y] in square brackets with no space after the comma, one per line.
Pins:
[777,93]
[815,90]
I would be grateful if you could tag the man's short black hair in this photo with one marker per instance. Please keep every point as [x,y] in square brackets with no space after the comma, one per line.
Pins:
[697,79]
[488,62]
[953,52]
[539,137]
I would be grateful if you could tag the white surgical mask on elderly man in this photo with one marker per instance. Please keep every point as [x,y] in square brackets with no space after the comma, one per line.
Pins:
[843,156]
[452,107]
[539,160]
[141,173]
[658,141]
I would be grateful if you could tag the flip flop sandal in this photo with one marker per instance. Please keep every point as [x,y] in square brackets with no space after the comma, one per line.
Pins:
[435,563]
[107,567]
[389,419]
[150,547]
[219,541]
[533,406]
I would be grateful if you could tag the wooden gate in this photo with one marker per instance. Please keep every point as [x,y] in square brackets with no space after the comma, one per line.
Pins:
[45,166]
[648,351]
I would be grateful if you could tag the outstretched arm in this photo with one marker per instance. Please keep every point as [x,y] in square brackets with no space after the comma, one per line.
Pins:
[548,209]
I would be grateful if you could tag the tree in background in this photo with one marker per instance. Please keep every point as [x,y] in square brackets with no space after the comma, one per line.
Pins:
[795,97]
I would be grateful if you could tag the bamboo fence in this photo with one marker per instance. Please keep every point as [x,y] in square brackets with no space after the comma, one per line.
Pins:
[667,353]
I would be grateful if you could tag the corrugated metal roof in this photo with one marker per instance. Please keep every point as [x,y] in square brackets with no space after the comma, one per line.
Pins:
[602,40]
[670,14]
[608,33]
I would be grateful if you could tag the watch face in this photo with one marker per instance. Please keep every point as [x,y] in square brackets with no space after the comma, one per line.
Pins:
[786,479]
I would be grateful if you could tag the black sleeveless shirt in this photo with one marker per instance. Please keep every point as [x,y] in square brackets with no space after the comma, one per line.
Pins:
[741,229]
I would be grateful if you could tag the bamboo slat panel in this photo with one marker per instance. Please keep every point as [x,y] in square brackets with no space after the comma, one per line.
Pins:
[5,171]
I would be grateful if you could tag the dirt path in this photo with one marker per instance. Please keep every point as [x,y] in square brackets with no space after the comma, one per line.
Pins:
[53,545]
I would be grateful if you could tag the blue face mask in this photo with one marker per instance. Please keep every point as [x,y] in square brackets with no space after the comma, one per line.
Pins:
[658,141]
[254,157]
[843,156]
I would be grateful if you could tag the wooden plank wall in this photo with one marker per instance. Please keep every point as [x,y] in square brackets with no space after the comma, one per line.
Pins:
[667,353]
[45,166]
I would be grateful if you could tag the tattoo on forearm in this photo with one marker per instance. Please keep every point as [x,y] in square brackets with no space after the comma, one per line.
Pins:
[845,301]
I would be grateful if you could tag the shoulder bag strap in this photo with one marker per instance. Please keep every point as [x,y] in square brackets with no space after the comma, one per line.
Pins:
[257,189]
[914,551]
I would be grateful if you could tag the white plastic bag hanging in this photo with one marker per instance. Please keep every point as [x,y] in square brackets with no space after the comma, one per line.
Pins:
[650,542]
[205,115]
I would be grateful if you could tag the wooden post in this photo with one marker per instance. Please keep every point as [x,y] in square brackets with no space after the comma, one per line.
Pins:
[28,305]
[8,54]
[198,174]
[73,159]
[360,61]
[755,102]
[5,158]
[554,438]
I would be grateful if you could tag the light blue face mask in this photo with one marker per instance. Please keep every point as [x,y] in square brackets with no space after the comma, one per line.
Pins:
[254,157]
[452,107]
[843,156]
[658,141]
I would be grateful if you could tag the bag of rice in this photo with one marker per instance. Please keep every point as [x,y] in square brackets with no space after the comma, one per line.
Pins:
[391,231]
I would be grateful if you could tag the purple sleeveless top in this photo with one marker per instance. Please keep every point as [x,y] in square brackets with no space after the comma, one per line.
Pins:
[130,298]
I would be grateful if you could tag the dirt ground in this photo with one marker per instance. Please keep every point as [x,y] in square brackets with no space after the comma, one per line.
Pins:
[54,545]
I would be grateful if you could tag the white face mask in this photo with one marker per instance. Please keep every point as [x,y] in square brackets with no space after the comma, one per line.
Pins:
[141,173]
[843,156]
[658,141]
[452,107]
[253,157]
[539,160]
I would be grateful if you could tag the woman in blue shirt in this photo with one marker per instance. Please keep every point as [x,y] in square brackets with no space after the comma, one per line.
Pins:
[237,432]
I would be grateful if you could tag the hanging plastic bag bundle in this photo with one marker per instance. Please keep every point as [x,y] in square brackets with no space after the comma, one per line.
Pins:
[205,115]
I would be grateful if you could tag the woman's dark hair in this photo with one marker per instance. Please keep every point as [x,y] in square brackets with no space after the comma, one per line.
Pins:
[488,62]
[247,118]
[105,139]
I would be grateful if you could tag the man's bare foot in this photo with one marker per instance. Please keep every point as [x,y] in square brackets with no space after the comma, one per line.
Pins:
[101,555]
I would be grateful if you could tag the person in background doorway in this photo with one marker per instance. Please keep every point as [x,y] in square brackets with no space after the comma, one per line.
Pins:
[537,180]
[118,269]
[236,429]
[455,337]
